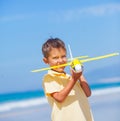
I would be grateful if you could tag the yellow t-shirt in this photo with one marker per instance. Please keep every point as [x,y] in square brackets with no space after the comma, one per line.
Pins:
[75,107]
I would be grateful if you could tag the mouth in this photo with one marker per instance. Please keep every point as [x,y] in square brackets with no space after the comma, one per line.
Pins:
[59,69]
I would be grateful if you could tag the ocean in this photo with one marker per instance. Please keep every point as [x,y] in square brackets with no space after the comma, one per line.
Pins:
[107,85]
[11,101]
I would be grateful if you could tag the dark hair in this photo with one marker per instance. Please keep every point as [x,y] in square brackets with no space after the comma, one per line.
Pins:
[52,43]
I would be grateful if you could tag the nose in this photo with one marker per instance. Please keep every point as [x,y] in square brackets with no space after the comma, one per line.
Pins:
[60,60]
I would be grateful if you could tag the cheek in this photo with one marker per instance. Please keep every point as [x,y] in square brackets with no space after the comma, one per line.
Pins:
[52,63]
[65,60]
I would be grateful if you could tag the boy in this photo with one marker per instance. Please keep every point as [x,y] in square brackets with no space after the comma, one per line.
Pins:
[67,94]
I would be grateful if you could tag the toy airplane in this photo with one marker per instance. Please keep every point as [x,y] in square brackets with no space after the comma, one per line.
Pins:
[77,62]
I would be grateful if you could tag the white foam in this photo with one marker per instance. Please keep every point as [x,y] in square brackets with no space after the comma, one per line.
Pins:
[40,101]
[22,104]
[110,80]
[105,91]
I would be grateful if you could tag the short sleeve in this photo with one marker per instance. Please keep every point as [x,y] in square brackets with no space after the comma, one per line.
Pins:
[50,85]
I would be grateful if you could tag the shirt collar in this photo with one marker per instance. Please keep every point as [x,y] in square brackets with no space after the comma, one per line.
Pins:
[55,73]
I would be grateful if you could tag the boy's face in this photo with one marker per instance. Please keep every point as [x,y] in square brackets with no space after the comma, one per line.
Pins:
[57,56]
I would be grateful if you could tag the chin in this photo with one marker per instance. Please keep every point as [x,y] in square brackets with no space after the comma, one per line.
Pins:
[60,70]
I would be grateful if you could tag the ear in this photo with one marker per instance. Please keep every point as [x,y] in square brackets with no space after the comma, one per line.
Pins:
[45,60]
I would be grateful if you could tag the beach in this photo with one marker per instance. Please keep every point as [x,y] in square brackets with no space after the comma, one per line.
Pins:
[105,105]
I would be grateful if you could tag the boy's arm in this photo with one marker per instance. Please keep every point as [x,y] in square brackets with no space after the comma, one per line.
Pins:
[85,86]
[60,96]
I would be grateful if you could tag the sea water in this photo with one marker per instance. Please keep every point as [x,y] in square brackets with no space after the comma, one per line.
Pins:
[11,101]
[21,100]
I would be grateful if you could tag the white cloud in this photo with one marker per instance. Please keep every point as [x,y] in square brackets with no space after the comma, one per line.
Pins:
[99,10]
[11,18]
[102,9]
[110,80]
[69,15]
[15,17]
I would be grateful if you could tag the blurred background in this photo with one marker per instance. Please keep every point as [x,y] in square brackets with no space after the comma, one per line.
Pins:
[91,28]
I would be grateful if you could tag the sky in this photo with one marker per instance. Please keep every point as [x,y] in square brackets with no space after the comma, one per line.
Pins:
[90,27]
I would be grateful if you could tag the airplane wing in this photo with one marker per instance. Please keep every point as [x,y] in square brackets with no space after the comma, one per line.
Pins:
[82,61]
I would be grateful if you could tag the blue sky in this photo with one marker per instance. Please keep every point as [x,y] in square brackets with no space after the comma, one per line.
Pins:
[90,27]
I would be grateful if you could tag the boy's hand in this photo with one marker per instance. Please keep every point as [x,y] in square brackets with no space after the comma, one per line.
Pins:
[75,75]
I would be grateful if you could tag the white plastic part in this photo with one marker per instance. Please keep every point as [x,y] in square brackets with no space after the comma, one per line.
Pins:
[78,68]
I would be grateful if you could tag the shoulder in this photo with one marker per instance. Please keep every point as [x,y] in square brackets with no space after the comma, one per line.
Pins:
[47,77]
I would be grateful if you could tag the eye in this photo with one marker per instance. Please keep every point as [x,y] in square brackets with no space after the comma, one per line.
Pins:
[55,57]
[64,56]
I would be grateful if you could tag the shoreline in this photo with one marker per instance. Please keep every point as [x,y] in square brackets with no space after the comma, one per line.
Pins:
[9,106]
[105,106]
